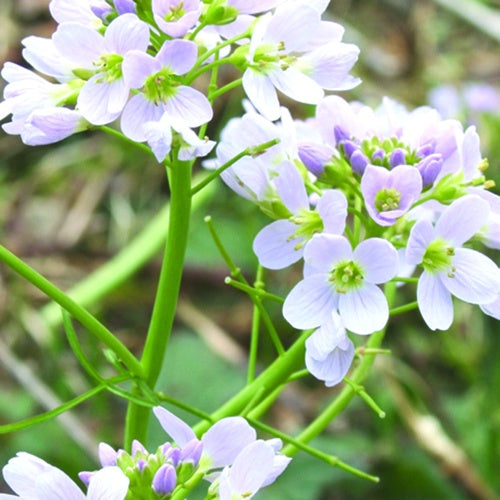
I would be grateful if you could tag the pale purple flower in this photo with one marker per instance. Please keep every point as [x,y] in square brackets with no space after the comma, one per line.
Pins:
[32,478]
[160,92]
[279,58]
[124,6]
[100,8]
[176,17]
[449,269]
[253,6]
[103,97]
[281,243]
[329,352]
[49,125]
[338,278]
[389,194]
[253,468]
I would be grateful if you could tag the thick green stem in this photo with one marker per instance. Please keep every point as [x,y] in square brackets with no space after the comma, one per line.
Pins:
[166,297]
[90,322]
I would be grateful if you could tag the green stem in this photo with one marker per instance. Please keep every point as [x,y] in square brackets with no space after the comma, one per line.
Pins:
[402,309]
[86,319]
[324,419]
[254,338]
[226,88]
[329,459]
[167,293]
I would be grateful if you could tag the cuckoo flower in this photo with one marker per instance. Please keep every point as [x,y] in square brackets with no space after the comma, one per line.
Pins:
[338,278]
[176,17]
[329,352]
[449,269]
[281,243]
[389,194]
[105,93]
[279,57]
[160,91]
[32,478]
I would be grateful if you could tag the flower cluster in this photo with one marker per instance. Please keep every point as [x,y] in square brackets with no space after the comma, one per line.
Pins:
[122,61]
[228,455]
[366,197]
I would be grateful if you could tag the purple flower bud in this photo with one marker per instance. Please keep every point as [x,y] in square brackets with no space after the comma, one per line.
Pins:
[192,452]
[349,147]
[100,8]
[378,156]
[107,455]
[426,149]
[164,480]
[398,157]
[314,157]
[124,6]
[429,168]
[141,464]
[165,449]
[358,162]
[174,456]
[138,447]
[85,477]
[339,134]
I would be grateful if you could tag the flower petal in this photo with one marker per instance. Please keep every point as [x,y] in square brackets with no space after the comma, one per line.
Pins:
[179,55]
[126,32]
[365,310]
[296,85]
[463,219]
[323,251]
[475,279]
[290,187]
[190,106]
[275,246]
[332,208]
[310,303]
[176,428]
[434,302]
[421,235]
[378,258]
[109,483]
[262,94]
[225,439]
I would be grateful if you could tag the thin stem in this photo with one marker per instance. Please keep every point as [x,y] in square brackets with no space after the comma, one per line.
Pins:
[250,290]
[90,322]
[329,459]
[361,392]
[28,422]
[165,304]
[402,309]
[254,338]
[226,88]
[207,67]
[119,135]
[183,406]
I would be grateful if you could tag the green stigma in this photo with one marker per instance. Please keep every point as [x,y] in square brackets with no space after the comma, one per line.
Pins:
[438,257]
[387,199]
[347,276]
[160,87]
[110,65]
[308,223]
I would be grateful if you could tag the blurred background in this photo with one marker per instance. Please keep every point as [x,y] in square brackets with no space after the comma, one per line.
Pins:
[68,208]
